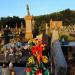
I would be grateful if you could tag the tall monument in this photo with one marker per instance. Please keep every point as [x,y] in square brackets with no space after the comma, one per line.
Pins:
[28,22]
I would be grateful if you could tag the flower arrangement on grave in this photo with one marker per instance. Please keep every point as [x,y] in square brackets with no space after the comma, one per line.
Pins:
[37,59]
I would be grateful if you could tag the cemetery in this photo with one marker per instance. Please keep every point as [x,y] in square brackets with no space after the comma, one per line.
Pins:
[49,53]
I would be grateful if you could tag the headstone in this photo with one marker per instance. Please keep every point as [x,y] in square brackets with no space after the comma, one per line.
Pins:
[5,70]
[10,65]
[47,29]
[55,25]
[6,35]
[11,69]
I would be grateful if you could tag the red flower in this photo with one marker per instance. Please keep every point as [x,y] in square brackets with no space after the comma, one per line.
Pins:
[39,48]
[38,72]
[28,70]
[33,49]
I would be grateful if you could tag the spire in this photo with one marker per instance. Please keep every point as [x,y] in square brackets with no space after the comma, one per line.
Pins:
[28,13]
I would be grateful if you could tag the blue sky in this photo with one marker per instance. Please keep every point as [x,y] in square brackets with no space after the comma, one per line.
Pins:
[37,7]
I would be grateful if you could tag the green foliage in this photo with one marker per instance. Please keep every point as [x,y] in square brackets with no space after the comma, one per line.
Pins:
[67,16]
[71,38]
[65,37]
[10,21]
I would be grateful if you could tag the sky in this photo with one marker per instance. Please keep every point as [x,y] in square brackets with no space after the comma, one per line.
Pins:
[37,7]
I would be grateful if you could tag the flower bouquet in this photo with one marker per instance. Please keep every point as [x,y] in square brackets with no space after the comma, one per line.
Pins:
[38,59]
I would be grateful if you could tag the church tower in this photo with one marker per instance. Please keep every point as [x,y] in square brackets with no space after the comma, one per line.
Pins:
[28,23]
